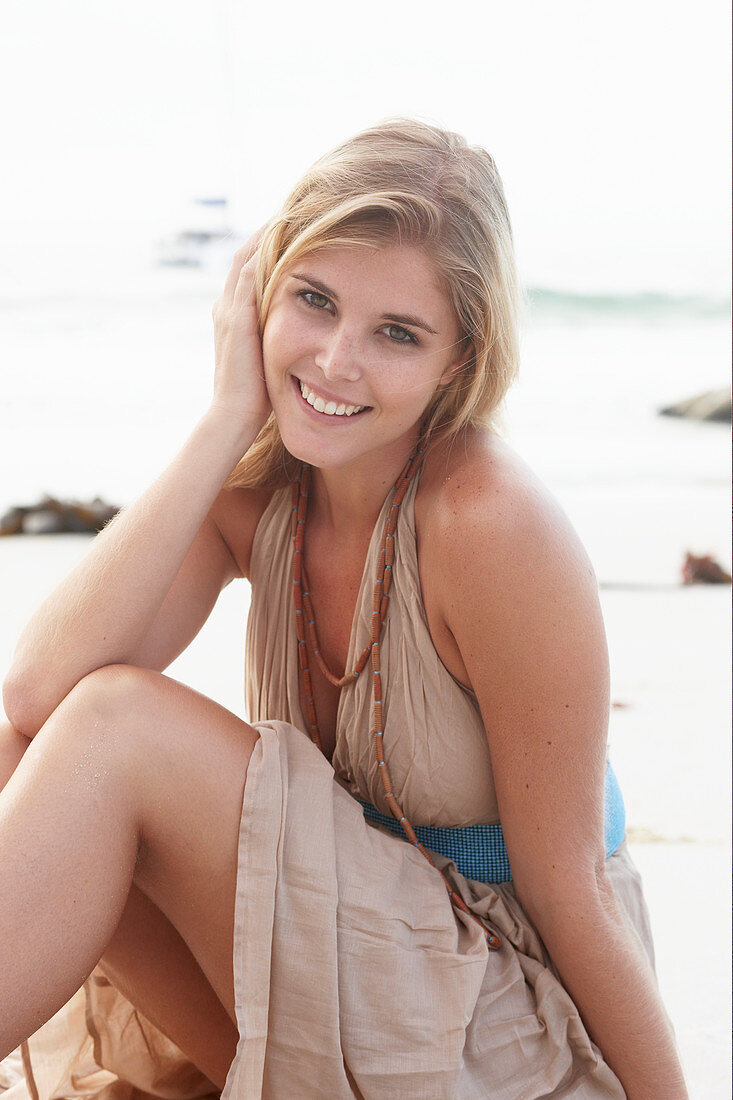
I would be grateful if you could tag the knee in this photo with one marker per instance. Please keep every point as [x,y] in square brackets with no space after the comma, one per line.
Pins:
[113,690]
[103,704]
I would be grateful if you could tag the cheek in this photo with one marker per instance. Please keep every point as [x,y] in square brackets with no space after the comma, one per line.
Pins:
[284,339]
[272,338]
[409,385]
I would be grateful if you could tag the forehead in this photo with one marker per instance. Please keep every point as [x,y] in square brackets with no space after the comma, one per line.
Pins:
[397,277]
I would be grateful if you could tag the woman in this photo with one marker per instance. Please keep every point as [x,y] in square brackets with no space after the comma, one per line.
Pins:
[423,610]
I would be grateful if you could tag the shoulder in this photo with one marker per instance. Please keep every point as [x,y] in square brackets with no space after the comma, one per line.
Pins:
[483,505]
[236,513]
[507,577]
[518,598]
[519,603]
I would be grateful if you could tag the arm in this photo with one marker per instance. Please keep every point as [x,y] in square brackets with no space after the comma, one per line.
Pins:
[521,603]
[120,604]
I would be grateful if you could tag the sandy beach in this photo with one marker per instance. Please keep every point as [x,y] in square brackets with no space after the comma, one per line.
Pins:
[669,745]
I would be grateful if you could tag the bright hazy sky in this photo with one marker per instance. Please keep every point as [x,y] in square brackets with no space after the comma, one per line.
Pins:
[609,123]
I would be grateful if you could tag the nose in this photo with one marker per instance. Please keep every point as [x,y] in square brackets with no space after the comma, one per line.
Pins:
[338,356]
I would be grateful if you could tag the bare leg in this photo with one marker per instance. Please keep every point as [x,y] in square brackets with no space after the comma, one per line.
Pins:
[150,964]
[133,778]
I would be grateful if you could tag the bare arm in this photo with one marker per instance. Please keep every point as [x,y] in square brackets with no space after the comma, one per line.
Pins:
[118,605]
[521,602]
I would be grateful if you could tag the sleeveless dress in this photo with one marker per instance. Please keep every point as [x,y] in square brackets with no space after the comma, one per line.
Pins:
[354,975]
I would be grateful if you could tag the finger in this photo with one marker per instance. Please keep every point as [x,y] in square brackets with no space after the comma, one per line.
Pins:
[238,261]
[255,240]
[241,257]
[244,293]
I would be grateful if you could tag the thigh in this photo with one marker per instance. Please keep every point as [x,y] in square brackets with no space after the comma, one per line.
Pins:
[186,762]
[148,961]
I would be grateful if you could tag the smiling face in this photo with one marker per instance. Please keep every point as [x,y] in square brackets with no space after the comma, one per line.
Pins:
[357,341]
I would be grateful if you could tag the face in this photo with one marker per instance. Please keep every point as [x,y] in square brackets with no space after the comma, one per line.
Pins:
[357,341]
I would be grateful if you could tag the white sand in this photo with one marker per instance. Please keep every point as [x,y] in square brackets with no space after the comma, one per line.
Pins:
[670,746]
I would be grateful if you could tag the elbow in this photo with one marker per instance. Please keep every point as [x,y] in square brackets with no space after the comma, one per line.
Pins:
[568,904]
[19,705]
[574,884]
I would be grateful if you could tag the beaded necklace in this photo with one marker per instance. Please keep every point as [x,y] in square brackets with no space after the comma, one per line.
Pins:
[305,624]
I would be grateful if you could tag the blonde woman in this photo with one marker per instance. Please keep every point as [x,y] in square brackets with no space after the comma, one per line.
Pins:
[407,877]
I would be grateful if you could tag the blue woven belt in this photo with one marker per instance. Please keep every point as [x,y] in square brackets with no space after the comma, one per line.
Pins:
[479,852]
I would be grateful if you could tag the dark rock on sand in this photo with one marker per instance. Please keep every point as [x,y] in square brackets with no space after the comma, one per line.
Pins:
[53,517]
[703,570]
[713,405]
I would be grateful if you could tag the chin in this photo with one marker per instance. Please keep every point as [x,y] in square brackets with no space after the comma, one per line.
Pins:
[308,447]
[322,455]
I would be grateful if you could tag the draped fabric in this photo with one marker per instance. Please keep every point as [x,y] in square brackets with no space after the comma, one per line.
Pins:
[354,976]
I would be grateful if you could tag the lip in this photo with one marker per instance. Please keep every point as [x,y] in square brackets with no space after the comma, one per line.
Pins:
[326,397]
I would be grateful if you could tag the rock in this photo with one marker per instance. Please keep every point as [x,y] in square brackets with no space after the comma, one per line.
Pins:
[713,405]
[703,570]
[51,517]
[12,522]
[44,521]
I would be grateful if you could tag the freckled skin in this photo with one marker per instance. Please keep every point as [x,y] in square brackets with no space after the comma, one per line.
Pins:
[346,349]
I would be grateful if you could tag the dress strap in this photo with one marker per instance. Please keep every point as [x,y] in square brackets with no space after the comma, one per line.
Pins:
[479,852]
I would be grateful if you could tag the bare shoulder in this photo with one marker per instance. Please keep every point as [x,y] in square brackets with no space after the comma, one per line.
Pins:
[236,513]
[496,550]
[480,496]
[516,609]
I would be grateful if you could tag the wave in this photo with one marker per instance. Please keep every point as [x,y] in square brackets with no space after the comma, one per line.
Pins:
[547,302]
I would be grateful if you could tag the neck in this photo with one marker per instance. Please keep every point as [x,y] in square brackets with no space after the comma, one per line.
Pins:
[346,501]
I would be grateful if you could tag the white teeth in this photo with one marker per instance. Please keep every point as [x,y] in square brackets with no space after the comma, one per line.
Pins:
[328,408]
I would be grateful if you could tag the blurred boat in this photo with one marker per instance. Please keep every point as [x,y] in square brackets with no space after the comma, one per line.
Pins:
[209,242]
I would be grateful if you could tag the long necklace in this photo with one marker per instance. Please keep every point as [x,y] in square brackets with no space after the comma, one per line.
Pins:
[305,624]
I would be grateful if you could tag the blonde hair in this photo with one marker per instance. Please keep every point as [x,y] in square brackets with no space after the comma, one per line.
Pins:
[416,183]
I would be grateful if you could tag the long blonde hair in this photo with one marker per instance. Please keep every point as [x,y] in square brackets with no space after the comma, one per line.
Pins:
[413,182]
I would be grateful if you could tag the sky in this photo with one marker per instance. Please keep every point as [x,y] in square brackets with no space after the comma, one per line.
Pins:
[609,123]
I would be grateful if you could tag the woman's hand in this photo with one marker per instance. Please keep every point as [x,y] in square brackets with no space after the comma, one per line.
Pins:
[239,382]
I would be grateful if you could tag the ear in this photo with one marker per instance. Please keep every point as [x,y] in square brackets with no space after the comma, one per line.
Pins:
[464,354]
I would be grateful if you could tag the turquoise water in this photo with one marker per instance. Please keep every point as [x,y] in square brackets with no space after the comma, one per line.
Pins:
[650,305]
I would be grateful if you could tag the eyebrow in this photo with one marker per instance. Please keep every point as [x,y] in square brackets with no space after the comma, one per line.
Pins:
[399,318]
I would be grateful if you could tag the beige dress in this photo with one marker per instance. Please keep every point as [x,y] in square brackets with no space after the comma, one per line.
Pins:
[354,976]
